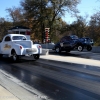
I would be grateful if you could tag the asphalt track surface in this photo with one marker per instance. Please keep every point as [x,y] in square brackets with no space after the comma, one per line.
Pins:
[52,80]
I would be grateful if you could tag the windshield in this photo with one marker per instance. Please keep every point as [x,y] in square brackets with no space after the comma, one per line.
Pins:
[19,38]
[74,37]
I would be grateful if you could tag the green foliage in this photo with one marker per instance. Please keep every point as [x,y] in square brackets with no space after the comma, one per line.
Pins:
[78,27]
[94,30]
[44,13]
[40,14]
[97,42]
[15,15]
[4,26]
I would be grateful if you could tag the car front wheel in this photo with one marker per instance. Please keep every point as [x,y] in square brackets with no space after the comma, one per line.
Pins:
[58,50]
[80,48]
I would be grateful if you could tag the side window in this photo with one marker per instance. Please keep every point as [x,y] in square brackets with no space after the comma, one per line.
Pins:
[88,40]
[68,38]
[64,39]
[7,38]
[82,39]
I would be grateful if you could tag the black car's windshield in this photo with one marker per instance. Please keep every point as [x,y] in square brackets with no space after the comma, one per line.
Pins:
[74,37]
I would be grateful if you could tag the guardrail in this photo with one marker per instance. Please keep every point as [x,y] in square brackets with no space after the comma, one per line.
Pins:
[96,49]
[48,48]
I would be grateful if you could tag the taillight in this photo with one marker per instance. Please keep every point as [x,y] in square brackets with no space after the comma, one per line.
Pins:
[39,46]
[21,47]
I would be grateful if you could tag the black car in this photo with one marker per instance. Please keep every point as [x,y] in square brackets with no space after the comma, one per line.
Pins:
[71,42]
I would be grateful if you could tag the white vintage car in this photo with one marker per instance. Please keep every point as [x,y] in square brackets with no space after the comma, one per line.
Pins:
[17,45]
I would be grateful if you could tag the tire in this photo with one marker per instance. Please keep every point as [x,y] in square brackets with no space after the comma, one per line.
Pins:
[0,56]
[89,48]
[36,56]
[67,51]
[80,48]
[58,50]
[15,57]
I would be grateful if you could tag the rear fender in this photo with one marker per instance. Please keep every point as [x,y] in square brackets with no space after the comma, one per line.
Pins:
[39,48]
[18,49]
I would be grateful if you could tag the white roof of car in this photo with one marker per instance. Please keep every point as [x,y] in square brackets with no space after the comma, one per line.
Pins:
[15,35]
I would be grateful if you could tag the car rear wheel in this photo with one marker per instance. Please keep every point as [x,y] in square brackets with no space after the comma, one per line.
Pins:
[0,55]
[36,56]
[89,48]
[15,57]
[80,48]
[67,51]
[58,50]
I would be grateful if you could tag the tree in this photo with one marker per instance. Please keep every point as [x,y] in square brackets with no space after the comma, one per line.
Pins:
[94,30]
[4,26]
[16,15]
[43,13]
[78,27]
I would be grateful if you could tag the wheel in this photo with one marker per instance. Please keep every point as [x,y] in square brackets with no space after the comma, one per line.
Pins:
[0,56]
[89,48]
[80,48]
[36,56]
[58,50]
[67,51]
[15,57]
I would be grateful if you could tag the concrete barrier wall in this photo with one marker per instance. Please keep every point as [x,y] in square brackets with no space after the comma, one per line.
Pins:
[95,49]
[47,46]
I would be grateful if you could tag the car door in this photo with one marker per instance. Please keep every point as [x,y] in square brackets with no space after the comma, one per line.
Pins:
[66,41]
[6,45]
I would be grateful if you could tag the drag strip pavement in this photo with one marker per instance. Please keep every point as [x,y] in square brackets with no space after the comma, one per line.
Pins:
[77,79]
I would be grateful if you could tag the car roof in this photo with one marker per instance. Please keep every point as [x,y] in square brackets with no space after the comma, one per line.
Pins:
[15,35]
